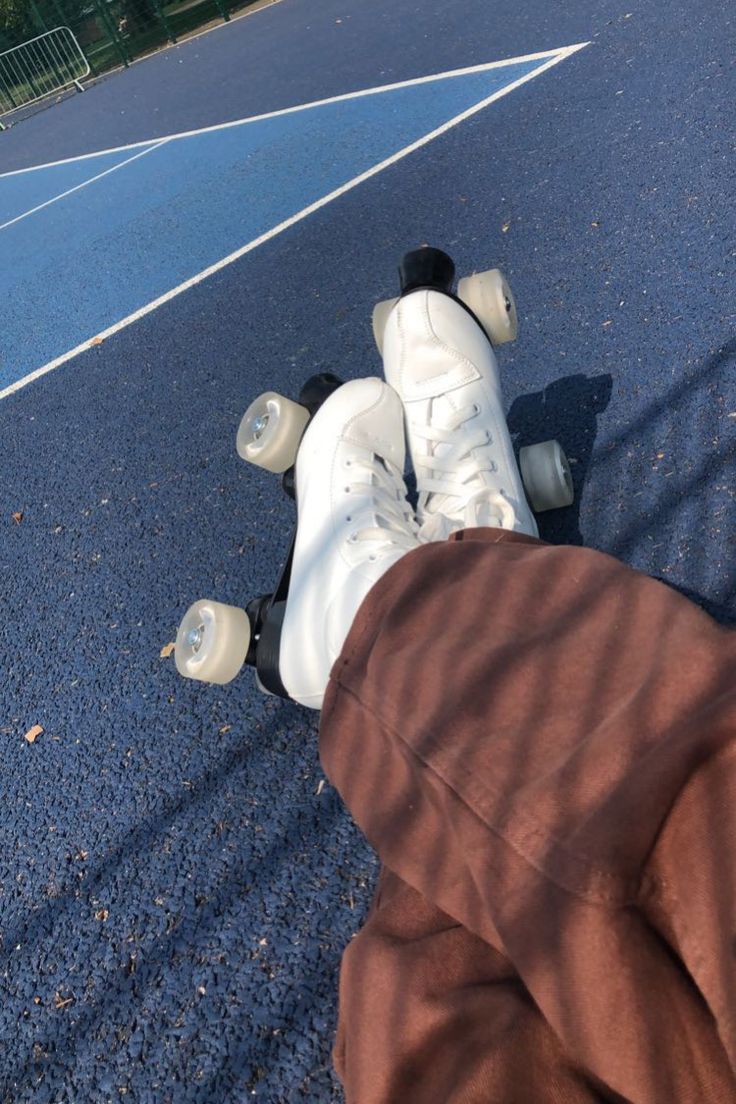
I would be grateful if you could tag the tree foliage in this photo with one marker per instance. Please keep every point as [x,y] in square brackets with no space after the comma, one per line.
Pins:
[13,14]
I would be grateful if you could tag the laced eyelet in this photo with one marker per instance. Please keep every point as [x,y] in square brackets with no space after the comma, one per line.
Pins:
[347,490]
[476,408]
[348,519]
[373,557]
[348,463]
[353,538]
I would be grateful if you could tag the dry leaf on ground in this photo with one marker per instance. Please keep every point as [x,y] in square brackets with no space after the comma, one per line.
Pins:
[17,518]
[167,650]
[33,733]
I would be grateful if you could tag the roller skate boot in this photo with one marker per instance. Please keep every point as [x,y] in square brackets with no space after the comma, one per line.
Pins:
[438,355]
[341,451]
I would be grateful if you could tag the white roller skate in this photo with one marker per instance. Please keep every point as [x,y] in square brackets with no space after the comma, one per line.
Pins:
[438,356]
[354,522]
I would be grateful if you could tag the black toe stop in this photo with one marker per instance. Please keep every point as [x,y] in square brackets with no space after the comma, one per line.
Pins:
[426,268]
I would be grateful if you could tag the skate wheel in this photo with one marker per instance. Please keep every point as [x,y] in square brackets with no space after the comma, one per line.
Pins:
[381,311]
[270,431]
[212,642]
[546,474]
[489,297]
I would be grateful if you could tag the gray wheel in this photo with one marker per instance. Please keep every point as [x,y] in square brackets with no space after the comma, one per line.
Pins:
[270,432]
[212,642]
[489,297]
[545,471]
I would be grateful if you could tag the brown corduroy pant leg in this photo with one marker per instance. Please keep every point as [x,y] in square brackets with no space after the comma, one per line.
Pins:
[540,743]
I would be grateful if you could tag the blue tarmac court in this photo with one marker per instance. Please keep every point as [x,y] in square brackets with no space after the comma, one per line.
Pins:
[150,217]
[177,877]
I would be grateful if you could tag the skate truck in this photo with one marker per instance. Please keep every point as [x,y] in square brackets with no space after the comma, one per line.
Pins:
[214,640]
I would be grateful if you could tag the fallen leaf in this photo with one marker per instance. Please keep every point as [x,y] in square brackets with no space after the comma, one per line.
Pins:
[97,340]
[505,227]
[660,456]
[33,733]
[608,323]
[595,223]
[102,914]
[62,1002]
[224,729]
[167,650]
[17,518]
[321,786]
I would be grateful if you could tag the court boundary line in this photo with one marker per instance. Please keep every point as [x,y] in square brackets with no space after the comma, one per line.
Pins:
[555,58]
[556,54]
[83,184]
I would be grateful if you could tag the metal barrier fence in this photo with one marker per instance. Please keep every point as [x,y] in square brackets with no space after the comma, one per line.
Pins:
[108,33]
[45,64]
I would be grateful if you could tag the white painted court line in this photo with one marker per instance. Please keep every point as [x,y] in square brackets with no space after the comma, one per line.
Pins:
[84,183]
[554,55]
[555,59]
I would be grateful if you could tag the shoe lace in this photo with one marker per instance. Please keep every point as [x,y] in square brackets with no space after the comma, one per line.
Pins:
[385,495]
[452,469]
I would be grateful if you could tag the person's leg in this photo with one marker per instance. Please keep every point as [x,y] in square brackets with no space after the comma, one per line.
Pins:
[526,735]
[432,1014]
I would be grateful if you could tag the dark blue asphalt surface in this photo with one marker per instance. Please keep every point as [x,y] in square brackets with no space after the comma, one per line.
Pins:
[158,832]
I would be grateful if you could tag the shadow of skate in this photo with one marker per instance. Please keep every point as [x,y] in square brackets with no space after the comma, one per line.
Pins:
[566,410]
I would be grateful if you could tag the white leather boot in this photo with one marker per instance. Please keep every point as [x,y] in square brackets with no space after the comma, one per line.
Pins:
[354,522]
[441,364]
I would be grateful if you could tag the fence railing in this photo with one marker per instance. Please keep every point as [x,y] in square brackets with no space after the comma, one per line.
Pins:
[108,33]
[43,65]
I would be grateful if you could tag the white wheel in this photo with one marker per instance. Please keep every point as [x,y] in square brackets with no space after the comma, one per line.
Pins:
[270,431]
[381,311]
[489,297]
[212,642]
[546,474]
